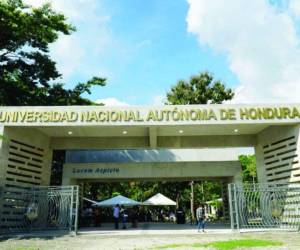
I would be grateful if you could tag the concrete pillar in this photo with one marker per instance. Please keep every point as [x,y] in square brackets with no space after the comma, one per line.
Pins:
[237,178]
[67,181]
[277,155]
[260,166]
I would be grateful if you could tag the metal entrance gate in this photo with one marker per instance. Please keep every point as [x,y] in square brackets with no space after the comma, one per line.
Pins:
[255,206]
[38,208]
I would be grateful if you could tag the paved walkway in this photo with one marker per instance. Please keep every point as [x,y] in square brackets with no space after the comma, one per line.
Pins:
[155,228]
[144,229]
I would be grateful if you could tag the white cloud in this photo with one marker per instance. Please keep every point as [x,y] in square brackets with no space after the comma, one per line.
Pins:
[68,54]
[73,9]
[81,52]
[294,7]
[111,101]
[260,42]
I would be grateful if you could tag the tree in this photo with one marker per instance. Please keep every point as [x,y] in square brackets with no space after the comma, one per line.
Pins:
[28,76]
[201,89]
[248,163]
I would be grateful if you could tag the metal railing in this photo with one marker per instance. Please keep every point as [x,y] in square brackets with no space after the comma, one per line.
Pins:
[254,206]
[38,208]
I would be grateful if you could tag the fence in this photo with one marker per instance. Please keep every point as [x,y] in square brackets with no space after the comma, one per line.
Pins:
[262,206]
[38,208]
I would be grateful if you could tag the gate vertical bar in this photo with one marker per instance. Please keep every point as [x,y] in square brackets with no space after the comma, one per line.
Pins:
[71,209]
[2,218]
[236,207]
[230,206]
[76,210]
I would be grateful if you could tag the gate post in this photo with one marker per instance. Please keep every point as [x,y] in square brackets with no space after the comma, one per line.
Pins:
[76,210]
[71,209]
[236,208]
[234,215]
[230,206]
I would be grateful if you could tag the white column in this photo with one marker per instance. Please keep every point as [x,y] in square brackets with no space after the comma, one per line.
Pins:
[66,180]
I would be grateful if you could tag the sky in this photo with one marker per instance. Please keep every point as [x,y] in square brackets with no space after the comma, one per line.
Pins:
[144,47]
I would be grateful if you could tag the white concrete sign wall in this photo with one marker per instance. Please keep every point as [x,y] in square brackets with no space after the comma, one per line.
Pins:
[273,129]
[160,115]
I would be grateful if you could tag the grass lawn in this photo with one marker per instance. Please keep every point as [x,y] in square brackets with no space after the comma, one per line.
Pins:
[22,248]
[227,245]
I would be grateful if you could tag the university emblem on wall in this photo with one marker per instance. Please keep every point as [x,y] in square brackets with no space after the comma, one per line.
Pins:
[32,211]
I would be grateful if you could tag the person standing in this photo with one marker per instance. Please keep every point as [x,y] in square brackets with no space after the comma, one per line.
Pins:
[116,215]
[124,216]
[134,216]
[97,217]
[90,216]
[200,214]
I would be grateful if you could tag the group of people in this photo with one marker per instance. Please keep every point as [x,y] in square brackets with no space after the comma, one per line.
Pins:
[125,215]
[90,216]
[166,215]
[119,212]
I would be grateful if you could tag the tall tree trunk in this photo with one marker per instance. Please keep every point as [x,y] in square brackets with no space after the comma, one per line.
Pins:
[177,200]
[192,201]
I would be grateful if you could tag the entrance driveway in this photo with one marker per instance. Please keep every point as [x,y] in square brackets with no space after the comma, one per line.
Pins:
[155,228]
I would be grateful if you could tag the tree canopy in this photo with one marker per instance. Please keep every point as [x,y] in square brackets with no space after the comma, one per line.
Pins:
[140,190]
[200,89]
[28,75]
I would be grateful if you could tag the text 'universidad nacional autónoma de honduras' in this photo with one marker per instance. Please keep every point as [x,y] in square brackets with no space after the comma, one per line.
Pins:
[163,115]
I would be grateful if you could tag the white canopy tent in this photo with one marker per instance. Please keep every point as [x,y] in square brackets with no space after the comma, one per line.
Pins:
[120,199]
[159,200]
